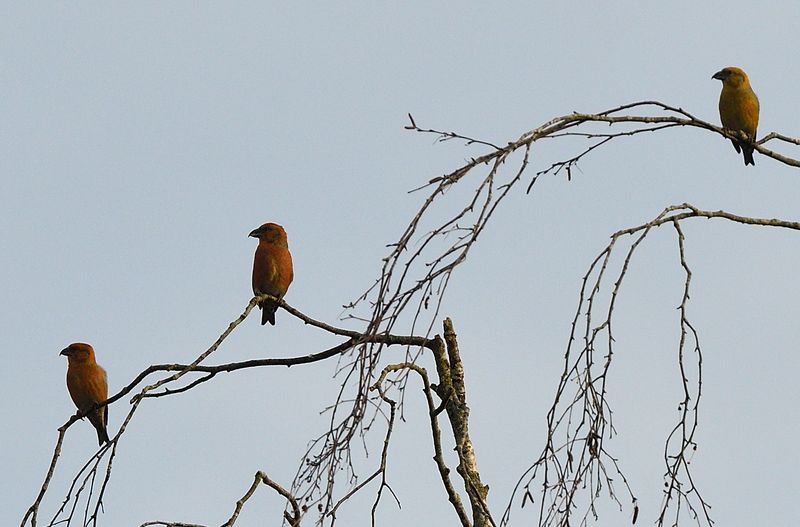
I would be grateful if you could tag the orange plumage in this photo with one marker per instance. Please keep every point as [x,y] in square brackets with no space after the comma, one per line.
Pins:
[88,385]
[272,267]
[738,108]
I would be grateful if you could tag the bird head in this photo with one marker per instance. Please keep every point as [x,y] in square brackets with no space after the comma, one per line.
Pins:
[270,233]
[732,76]
[79,352]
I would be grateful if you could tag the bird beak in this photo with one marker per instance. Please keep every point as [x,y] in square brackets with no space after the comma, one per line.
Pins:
[66,351]
[720,75]
[254,233]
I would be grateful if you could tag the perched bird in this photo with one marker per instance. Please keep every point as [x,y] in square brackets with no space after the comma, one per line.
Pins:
[738,108]
[272,268]
[88,385]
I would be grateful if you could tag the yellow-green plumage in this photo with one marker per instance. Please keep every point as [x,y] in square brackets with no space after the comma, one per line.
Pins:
[738,108]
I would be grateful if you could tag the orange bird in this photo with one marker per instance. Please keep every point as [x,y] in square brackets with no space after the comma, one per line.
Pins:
[88,385]
[272,268]
[738,108]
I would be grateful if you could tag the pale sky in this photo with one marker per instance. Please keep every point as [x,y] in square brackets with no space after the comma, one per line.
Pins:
[142,142]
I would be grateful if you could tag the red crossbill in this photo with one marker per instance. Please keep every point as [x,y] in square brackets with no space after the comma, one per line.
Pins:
[272,268]
[738,108]
[88,385]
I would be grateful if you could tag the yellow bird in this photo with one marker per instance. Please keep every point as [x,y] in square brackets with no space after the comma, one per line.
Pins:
[738,108]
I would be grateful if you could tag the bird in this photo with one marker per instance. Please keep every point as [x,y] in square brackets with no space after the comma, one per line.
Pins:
[272,268]
[738,108]
[87,384]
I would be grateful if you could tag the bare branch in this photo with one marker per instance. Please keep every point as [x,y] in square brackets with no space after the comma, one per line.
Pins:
[413,280]
[292,519]
[89,470]
[433,412]
[581,462]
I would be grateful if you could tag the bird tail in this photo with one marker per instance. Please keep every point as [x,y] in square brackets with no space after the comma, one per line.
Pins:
[268,309]
[100,426]
[747,151]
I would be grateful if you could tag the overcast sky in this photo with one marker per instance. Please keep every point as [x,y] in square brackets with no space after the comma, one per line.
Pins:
[141,142]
